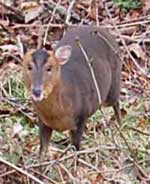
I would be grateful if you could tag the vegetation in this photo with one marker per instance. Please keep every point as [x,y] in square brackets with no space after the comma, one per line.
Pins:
[129,4]
[102,143]
[109,153]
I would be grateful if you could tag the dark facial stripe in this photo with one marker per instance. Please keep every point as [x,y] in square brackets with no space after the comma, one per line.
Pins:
[40,57]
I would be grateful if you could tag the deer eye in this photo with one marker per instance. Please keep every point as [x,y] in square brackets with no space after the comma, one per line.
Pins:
[29,67]
[49,68]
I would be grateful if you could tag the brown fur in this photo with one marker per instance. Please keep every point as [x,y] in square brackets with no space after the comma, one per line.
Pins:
[54,112]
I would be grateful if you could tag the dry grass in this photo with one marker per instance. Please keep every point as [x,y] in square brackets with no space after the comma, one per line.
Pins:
[106,156]
[109,154]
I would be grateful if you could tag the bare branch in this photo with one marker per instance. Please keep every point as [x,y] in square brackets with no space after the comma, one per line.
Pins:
[21,171]
[91,70]
[49,24]
[69,12]
[123,42]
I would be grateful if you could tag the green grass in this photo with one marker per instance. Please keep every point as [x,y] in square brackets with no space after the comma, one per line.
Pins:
[129,4]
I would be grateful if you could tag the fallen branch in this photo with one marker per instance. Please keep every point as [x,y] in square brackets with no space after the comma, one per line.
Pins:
[21,171]
[89,63]
[139,131]
[37,25]
[87,151]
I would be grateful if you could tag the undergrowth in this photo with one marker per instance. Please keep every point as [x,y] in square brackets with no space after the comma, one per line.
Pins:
[103,151]
[129,4]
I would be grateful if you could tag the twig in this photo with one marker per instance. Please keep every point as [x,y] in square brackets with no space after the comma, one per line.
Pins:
[130,24]
[61,10]
[21,171]
[108,43]
[7,173]
[133,159]
[42,175]
[139,168]
[17,59]
[141,18]
[60,173]
[68,15]
[123,42]
[37,25]
[90,150]
[20,46]
[49,24]
[133,23]
[134,38]
[19,109]
[88,165]
[91,70]
[68,172]
[97,13]
[139,131]
[40,36]
[62,25]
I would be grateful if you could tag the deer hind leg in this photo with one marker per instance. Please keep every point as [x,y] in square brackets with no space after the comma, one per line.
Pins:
[116,107]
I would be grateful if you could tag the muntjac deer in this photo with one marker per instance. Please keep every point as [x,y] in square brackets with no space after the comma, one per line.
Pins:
[63,91]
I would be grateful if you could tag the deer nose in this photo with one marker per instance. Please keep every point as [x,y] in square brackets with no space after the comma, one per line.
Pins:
[36,92]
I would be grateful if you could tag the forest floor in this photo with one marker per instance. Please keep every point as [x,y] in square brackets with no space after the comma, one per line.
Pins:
[110,154]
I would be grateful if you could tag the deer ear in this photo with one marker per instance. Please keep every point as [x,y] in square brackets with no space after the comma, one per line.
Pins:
[63,54]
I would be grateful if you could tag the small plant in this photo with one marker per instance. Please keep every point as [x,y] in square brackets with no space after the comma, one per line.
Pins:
[129,4]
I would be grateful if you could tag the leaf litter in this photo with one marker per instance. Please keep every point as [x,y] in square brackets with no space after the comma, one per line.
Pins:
[107,155]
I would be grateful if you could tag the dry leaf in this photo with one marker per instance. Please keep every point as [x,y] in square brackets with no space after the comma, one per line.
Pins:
[92,10]
[28,5]
[142,122]
[137,50]
[4,22]
[85,3]
[146,7]
[96,178]
[7,2]
[147,106]
[31,10]
[16,129]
